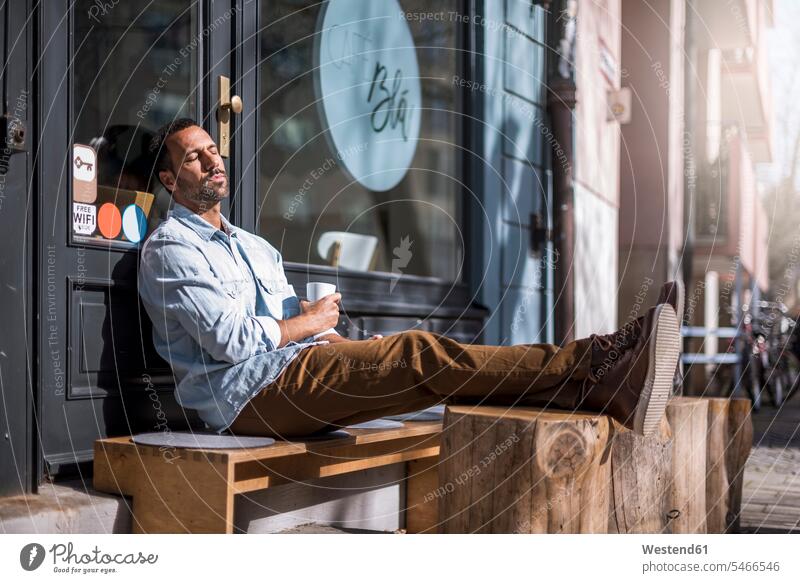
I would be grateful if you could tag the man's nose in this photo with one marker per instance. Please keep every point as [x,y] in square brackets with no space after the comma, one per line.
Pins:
[210,161]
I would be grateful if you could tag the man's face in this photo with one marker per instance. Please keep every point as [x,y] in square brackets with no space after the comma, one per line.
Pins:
[197,172]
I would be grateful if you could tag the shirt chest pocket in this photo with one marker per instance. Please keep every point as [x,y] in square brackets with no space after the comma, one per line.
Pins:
[234,288]
[268,273]
[272,285]
[270,280]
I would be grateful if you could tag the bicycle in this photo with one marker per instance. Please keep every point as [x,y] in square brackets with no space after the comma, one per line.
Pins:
[770,363]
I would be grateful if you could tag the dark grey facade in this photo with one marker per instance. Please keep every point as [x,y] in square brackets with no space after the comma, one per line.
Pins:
[76,359]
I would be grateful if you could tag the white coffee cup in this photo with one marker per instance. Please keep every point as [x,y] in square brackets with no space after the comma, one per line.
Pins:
[316,290]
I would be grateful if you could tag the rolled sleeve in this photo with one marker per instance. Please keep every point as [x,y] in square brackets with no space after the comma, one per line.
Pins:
[271,328]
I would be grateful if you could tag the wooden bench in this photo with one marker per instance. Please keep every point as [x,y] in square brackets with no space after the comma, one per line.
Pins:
[192,490]
[499,470]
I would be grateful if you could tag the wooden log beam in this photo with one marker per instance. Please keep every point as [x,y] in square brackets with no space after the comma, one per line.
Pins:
[523,470]
[688,418]
[641,481]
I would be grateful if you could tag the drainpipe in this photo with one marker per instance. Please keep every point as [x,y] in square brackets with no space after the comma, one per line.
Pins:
[691,165]
[561,101]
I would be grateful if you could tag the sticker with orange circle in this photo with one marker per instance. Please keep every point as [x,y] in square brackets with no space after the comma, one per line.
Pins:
[118,216]
[109,220]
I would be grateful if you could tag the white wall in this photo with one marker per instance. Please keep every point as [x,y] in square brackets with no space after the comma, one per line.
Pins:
[596,168]
[595,266]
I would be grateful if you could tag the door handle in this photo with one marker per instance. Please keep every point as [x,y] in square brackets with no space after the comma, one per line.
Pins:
[13,130]
[227,104]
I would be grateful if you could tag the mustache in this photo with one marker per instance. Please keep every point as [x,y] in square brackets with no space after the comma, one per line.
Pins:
[214,173]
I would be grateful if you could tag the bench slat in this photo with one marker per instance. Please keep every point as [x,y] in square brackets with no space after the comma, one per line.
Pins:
[257,475]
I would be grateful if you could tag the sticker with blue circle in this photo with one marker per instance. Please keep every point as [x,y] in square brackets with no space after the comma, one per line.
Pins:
[134,223]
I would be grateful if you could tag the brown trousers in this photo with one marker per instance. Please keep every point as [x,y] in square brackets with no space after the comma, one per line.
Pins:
[330,386]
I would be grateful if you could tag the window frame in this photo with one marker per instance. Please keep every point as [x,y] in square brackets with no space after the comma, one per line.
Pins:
[198,63]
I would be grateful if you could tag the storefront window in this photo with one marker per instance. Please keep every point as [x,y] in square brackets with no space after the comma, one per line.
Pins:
[359,131]
[133,70]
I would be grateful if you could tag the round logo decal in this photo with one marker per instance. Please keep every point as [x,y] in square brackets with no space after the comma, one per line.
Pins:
[109,220]
[31,556]
[368,87]
[134,223]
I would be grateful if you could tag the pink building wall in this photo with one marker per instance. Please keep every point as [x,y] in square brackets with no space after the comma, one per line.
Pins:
[599,35]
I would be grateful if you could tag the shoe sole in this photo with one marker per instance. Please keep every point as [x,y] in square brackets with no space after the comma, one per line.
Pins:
[681,299]
[664,347]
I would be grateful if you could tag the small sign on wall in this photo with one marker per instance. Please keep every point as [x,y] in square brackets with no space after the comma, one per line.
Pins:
[619,105]
[84,218]
[84,174]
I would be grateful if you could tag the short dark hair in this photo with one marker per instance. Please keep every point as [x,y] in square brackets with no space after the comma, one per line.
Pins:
[158,147]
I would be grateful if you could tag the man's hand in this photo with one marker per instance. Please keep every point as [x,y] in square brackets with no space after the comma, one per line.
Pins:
[316,317]
[324,313]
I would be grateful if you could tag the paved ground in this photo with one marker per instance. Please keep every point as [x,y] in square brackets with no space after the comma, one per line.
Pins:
[771,493]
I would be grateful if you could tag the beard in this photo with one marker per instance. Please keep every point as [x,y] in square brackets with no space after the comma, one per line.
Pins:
[208,193]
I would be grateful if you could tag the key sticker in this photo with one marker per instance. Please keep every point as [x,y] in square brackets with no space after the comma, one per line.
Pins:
[84,174]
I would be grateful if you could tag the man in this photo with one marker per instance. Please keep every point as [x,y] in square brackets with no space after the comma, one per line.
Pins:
[252,359]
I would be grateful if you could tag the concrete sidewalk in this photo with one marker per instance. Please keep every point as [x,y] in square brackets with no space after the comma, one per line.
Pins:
[65,508]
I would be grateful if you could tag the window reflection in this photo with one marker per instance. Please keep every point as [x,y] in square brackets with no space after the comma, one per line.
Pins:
[309,204]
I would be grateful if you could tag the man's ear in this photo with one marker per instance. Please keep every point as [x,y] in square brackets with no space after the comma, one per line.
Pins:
[167,178]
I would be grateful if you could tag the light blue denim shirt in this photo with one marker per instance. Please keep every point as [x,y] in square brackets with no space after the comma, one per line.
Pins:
[214,300]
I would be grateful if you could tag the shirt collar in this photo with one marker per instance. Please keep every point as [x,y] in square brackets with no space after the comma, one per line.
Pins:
[198,224]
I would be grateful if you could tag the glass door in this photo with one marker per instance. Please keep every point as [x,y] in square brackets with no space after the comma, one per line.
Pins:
[110,75]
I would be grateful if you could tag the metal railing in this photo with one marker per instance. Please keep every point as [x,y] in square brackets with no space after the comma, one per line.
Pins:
[702,358]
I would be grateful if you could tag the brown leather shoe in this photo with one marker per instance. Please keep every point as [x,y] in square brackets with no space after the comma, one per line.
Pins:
[632,370]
